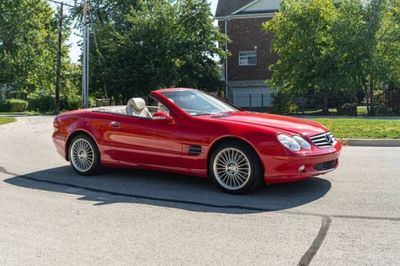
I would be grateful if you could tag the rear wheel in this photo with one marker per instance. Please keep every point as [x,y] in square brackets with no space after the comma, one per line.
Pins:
[84,155]
[235,168]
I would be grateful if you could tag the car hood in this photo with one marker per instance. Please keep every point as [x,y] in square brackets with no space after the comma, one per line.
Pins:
[278,122]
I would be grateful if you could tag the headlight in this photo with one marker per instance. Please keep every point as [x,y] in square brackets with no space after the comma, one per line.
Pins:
[302,142]
[289,142]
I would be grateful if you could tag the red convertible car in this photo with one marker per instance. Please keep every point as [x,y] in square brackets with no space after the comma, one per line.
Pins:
[190,132]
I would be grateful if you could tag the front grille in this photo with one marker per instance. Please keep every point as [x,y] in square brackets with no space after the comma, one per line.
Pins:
[325,165]
[323,140]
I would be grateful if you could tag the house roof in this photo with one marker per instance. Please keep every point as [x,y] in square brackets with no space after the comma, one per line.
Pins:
[227,7]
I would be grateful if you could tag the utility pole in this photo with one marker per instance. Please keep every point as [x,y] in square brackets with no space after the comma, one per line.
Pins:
[226,90]
[59,54]
[85,56]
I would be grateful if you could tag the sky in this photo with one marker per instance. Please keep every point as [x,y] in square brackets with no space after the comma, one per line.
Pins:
[75,50]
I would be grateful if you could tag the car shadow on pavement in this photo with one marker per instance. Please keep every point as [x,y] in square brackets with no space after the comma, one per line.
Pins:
[170,190]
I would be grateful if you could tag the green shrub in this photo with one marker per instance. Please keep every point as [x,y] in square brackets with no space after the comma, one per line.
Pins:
[282,103]
[92,101]
[70,103]
[13,105]
[41,103]
[5,106]
[46,103]
[18,105]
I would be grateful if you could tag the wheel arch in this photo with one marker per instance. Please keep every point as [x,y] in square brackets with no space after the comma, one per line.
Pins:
[72,135]
[227,139]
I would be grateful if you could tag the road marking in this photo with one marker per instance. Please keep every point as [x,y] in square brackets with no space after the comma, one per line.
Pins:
[4,171]
[316,244]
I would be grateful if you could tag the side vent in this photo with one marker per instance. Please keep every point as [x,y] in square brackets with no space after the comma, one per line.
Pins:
[194,150]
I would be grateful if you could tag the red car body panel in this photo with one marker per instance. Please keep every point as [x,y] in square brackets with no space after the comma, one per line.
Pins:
[165,144]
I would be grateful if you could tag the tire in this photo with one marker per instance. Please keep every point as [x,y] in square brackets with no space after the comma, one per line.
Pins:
[235,168]
[84,155]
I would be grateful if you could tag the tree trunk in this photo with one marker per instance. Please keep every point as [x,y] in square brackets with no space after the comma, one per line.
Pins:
[371,100]
[325,108]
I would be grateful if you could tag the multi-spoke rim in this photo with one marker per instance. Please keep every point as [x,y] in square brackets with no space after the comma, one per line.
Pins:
[82,155]
[232,168]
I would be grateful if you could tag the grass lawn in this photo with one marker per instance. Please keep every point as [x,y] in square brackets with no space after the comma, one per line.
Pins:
[359,128]
[6,120]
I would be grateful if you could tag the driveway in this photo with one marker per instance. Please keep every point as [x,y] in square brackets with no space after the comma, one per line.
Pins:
[49,215]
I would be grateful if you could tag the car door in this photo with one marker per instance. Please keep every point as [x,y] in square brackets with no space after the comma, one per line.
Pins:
[138,141]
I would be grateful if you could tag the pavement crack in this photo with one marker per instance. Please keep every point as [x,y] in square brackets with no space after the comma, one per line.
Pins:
[5,171]
[316,244]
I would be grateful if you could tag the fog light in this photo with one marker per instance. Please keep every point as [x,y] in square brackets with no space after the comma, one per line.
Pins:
[302,169]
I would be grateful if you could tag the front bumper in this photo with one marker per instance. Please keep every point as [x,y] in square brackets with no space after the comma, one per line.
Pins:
[282,169]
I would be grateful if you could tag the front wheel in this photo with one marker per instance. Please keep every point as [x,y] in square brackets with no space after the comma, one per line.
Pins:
[84,155]
[235,168]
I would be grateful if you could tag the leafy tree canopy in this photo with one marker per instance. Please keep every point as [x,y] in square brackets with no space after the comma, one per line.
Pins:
[336,47]
[27,45]
[28,52]
[139,46]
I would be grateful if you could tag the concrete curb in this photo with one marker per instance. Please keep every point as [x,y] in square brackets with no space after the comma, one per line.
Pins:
[371,142]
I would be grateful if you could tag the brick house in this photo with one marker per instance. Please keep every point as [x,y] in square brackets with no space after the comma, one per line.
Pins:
[245,71]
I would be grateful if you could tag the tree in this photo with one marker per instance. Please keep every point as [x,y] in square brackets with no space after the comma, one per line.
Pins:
[336,47]
[198,50]
[391,38]
[359,40]
[153,44]
[28,52]
[367,40]
[27,35]
[304,42]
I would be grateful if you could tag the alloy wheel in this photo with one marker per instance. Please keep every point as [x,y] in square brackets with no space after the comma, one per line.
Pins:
[82,155]
[232,168]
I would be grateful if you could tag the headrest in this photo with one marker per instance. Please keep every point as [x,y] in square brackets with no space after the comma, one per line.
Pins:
[137,103]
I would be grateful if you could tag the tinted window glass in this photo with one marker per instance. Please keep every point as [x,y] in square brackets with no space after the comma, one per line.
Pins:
[199,103]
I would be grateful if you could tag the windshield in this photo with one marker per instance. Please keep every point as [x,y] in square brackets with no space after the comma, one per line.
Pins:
[199,103]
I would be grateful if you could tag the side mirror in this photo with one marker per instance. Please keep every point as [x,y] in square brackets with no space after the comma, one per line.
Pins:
[162,116]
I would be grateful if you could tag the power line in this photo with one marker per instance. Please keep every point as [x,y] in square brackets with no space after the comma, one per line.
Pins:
[85,52]
[59,54]
[85,56]
[62,3]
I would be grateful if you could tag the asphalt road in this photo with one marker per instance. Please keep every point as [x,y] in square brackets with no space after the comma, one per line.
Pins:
[51,216]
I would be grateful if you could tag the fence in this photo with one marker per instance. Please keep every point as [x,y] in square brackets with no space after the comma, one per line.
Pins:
[251,100]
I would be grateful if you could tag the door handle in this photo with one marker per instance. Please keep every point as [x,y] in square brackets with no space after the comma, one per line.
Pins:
[115,124]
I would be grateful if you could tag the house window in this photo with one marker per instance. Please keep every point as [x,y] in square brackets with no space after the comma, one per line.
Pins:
[248,58]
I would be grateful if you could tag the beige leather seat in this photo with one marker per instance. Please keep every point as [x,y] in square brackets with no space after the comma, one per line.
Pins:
[137,107]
